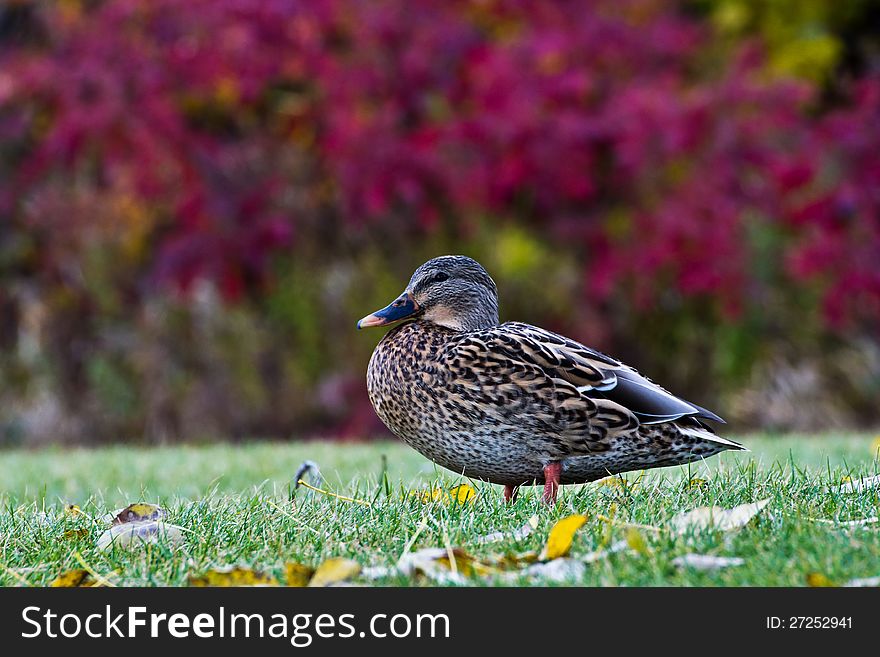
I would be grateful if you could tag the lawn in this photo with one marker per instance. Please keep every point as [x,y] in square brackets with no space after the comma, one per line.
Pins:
[233,504]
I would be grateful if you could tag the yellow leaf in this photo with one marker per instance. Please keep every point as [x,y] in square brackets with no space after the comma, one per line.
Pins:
[73,578]
[335,570]
[139,511]
[696,482]
[465,564]
[561,536]
[72,510]
[299,574]
[462,494]
[233,576]
[636,541]
[430,495]
[72,534]
[818,579]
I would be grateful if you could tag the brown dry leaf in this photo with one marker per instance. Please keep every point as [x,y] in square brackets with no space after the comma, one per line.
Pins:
[299,574]
[465,564]
[73,534]
[137,534]
[74,578]
[335,570]
[706,517]
[561,536]
[818,579]
[426,562]
[233,576]
[139,512]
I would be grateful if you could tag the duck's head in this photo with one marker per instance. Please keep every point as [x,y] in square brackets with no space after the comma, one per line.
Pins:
[453,291]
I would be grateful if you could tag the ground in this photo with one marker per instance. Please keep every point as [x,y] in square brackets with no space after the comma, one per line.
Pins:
[233,502]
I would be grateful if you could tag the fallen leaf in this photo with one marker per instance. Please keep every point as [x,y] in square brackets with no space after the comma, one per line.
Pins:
[139,512]
[74,578]
[427,562]
[864,581]
[596,555]
[706,561]
[859,485]
[818,579]
[561,536]
[136,534]
[464,563]
[335,570]
[706,517]
[517,535]
[430,495]
[72,534]
[636,541]
[462,494]
[299,574]
[233,576]
[559,570]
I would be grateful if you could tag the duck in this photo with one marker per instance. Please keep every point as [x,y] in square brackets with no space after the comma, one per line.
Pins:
[515,404]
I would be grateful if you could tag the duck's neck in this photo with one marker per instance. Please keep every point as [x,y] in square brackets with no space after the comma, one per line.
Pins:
[464,317]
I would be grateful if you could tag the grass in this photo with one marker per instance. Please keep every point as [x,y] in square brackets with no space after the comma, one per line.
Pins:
[234,503]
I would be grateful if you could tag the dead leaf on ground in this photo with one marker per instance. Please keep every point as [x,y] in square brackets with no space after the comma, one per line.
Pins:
[334,571]
[714,517]
[78,577]
[73,534]
[818,580]
[432,563]
[516,535]
[462,494]
[136,534]
[636,542]
[233,576]
[563,569]
[706,561]
[864,581]
[139,512]
[561,536]
[857,485]
[456,495]
[298,574]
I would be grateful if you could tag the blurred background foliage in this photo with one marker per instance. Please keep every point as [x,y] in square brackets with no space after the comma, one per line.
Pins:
[198,199]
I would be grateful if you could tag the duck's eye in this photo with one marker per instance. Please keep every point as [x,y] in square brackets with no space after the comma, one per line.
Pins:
[439,278]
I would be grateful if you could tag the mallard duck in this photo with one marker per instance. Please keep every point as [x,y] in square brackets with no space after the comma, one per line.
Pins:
[515,404]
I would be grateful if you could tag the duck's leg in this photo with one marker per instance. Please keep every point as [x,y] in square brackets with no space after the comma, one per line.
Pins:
[552,473]
[511,493]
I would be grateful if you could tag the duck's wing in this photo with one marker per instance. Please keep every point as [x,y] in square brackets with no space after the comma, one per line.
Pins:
[503,380]
[594,374]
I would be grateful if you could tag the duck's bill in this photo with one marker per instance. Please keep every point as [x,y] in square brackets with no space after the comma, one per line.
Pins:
[402,307]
